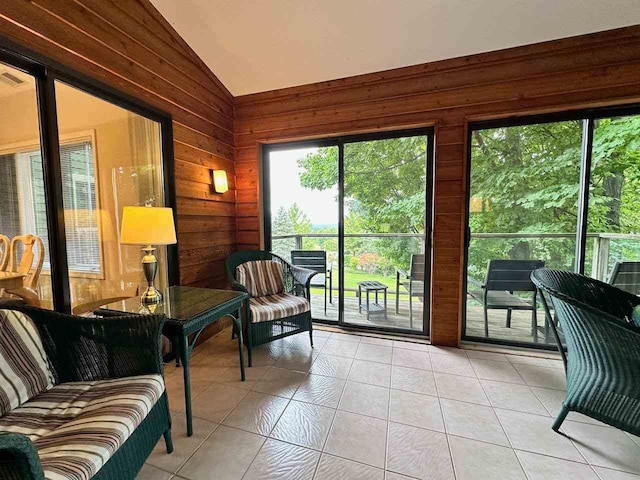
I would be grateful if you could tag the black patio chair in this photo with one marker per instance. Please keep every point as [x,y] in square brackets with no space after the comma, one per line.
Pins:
[503,279]
[412,282]
[316,260]
[626,276]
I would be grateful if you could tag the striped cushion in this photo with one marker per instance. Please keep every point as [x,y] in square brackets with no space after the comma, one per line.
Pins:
[78,426]
[274,307]
[261,277]
[25,370]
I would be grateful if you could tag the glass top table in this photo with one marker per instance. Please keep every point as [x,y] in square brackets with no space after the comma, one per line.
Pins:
[189,311]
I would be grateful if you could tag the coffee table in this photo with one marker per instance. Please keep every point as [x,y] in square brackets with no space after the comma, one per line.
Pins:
[375,307]
[189,311]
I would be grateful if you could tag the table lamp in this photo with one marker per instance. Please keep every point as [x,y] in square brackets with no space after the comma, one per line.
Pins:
[148,226]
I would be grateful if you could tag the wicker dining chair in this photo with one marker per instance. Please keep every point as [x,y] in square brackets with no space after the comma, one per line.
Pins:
[603,347]
[280,302]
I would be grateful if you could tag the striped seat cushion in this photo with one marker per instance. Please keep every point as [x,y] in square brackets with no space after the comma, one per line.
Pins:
[78,426]
[261,277]
[25,370]
[275,307]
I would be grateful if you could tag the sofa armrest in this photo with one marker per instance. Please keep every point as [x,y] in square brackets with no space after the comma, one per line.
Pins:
[302,276]
[19,458]
[88,349]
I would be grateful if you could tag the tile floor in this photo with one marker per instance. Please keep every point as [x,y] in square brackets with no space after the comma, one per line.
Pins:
[367,408]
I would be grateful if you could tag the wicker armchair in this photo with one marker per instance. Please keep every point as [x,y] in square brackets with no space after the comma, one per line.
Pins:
[296,282]
[87,350]
[603,361]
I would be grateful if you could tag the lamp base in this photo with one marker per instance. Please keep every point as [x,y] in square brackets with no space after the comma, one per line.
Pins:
[150,266]
[151,296]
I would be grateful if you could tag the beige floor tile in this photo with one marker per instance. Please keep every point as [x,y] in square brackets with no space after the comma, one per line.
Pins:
[499,371]
[511,396]
[296,360]
[371,373]
[175,390]
[608,474]
[206,372]
[395,476]
[452,364]
[546,377]
[231,376]
[341,348]
[552,400]
[365,399]
[526,360]
[374,353]
[265,355]
[347,337]
[283,461]
[226,455]
[149,472]
[473,421]
[420,347]
[335,468]
[320,390]
[280,382]
[416,410]
[533,433]
[304,424]
[481,355]
[413,380]
[377,341]
[452,351]
[418,453]
[257,413]
[358,438]
[304,343]
[411,359]
[477,460]
[217,401]
[457,387]
[183,446]
[542,467]
[604,446]
[331,366]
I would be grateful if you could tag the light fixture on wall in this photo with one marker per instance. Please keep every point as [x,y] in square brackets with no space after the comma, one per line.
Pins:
[220,184]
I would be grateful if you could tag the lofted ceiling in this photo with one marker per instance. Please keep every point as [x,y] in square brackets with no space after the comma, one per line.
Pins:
[259,45]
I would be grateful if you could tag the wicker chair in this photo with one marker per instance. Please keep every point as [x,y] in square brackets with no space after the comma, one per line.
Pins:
[86,350]
[603,360]
[297,282]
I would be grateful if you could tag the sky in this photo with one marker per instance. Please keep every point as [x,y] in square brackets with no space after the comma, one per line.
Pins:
[320,206]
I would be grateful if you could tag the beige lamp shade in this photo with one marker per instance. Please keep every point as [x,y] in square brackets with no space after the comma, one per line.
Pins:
[220,184]
[147,226]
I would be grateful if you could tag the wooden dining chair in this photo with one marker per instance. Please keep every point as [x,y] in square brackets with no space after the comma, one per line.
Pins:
[26,265]
[4,252]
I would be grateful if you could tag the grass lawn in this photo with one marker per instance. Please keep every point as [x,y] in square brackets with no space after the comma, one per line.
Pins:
[352,277]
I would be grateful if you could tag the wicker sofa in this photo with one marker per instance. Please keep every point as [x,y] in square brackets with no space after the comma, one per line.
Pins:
[80,398]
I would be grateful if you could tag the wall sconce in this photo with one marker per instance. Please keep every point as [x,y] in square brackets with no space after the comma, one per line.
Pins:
[220,184]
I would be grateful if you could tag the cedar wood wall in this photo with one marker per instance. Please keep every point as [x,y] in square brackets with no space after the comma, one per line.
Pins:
[129,46]
[585,71]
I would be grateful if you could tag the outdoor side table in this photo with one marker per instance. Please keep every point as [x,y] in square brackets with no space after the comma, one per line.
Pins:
[375,307]
[189,311]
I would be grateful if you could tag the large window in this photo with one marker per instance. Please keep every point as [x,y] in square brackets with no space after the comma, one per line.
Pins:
[356,210]
[555,193]
[99,153]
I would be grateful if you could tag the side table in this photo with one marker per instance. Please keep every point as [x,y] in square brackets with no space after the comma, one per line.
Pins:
[372,308]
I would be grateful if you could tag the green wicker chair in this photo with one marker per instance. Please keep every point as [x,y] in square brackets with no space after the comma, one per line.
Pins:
[603,347]
[90,349]
[297,281]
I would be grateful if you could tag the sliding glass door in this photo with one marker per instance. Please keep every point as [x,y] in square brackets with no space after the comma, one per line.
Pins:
[555,191]
[361,204]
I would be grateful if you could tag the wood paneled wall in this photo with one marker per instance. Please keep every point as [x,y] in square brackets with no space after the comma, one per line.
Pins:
[585,71]
[131,47]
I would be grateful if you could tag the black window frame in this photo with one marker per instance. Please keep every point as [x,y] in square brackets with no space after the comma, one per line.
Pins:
[46,72]
[339,142]
[588,117]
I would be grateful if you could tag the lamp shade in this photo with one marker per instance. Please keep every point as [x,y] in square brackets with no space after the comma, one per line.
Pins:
[220,184]
[147,226]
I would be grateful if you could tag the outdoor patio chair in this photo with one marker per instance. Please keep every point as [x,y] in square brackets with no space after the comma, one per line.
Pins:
[503,279]
[603,347]
[279,303]
[316,260]
[412,282]
[626,276]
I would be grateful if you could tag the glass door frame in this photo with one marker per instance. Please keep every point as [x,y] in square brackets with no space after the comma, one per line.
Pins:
[588,118]
[45,72]
[339,142]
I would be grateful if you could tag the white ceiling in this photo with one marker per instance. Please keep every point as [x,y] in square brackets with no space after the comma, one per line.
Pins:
[259,45]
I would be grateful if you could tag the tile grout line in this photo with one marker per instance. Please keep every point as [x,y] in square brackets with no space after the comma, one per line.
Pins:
[444,424]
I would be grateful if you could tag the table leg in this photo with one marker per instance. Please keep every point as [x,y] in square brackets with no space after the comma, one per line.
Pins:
[184,355]
[368,304]
[359,299]
[237,320]
[385,304]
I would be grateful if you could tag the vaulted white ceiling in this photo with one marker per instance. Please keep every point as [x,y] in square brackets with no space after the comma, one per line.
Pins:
[259,45]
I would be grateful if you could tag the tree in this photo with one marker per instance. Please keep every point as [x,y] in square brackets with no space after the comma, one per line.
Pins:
[299,220]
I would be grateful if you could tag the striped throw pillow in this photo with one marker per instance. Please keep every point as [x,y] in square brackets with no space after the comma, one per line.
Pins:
[25,370]
[261,277]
